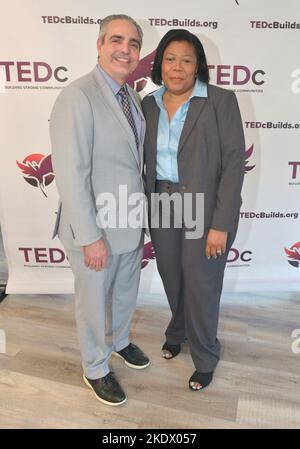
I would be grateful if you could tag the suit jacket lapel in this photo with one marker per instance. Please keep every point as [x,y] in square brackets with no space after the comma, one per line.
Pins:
[152,125]
[137,105]
[143,127]
[195,109]
[109,98]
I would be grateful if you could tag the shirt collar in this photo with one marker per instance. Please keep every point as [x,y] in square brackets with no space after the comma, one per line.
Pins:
[200,90]
[115,87]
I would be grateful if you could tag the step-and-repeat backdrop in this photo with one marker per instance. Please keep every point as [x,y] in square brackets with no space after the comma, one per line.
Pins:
[252,48]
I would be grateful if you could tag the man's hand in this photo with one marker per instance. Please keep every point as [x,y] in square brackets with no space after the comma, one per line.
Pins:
[215,243]
[95,255]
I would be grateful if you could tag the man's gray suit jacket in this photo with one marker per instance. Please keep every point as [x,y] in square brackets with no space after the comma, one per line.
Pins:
[93,151]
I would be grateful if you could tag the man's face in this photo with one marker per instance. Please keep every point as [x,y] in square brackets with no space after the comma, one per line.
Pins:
[120,51]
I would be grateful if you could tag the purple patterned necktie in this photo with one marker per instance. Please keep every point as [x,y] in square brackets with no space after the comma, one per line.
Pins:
[127,111]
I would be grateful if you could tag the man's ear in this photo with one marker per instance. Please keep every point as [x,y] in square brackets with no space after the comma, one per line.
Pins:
[99,45]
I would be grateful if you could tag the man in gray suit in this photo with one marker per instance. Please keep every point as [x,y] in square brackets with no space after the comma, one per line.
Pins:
[97,130]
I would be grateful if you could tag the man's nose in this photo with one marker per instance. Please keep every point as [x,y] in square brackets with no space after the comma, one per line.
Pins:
[125,47]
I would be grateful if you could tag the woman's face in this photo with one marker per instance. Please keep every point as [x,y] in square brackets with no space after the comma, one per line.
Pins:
[179,67]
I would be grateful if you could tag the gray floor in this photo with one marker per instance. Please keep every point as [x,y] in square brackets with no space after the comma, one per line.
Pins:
[256,384]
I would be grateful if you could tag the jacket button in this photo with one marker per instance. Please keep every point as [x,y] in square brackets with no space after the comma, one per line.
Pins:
[183,187]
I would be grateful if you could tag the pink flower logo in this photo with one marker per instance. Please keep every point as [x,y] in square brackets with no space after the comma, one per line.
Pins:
[37,170]
[148,254]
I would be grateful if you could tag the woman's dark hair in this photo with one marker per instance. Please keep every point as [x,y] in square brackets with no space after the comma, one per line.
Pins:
[179,35]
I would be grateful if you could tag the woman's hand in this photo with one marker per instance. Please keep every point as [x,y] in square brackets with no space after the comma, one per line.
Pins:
[215,243]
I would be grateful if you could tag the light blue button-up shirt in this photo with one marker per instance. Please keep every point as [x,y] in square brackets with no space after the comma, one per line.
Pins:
[115,87]
[169,132]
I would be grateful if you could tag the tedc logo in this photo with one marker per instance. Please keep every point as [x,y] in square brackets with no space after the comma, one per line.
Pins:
[294,165]
[248,154]
[42,255]
[242,257]
[234,256]
[37,170]
[26,71]
[235,75]
[293,255]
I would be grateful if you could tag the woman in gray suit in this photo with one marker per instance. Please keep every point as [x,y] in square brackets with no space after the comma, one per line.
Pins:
[194,144]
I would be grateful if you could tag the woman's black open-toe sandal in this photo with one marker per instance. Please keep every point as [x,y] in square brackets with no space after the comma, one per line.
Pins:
[198,381]
[171,351]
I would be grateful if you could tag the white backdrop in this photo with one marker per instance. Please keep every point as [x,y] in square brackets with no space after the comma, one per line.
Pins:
[252,47]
